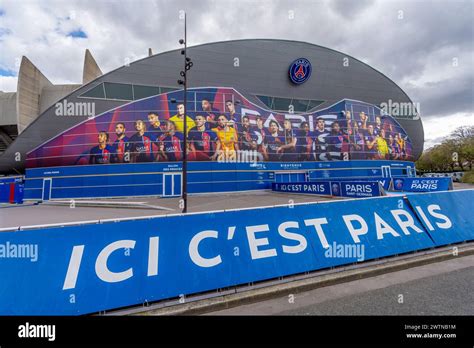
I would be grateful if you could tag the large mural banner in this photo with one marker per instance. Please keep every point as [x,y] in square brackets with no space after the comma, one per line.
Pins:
[222,125]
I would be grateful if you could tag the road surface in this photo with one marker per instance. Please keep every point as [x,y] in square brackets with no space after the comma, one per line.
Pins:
[442,288]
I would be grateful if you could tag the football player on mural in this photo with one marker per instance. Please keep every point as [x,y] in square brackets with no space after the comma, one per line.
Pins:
[288,150]
[378,125]
[335,142]
[357,144]
[363,122]
[402,145]
[370,143]
[232,114]
[261,133]
[101,154]
[393,148]
[346,123]
[320,135]
[382,147]
[305,144]
[121,146]
[247,136]
[170,144]
[272,143]
[178,120]
[348,135]
[228,139]
[141,144]
[156,128]
[203,142]
[210,112]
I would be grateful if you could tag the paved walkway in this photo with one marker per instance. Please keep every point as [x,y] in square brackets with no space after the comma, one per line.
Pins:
[51,213]
[441,288]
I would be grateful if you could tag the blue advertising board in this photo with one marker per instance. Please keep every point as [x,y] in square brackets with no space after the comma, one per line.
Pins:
[447,216]
[11,190]
[358,189]
[385,182]
[138,179]
[88,268]
[422,184]
[319,188]
[353,189]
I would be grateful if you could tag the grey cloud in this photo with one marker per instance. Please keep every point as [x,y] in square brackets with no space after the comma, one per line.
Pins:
[429,34]
[348,9]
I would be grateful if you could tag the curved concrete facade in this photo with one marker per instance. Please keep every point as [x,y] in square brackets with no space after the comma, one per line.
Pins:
[254,67]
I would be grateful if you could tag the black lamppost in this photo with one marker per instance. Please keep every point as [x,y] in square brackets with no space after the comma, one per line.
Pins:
[187,65]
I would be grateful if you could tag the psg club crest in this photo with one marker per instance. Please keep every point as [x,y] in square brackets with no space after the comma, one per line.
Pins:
[335,189]
[300,71]
[398,184]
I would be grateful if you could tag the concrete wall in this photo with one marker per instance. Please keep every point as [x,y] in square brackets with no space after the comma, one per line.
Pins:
[30,83]
[52,94]
[7,108]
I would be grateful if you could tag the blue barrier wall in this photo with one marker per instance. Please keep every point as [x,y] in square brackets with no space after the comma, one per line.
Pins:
[422,184]
[385,182]
[341,188]
[89,268]
[11,189]
[436,211]
[116,180]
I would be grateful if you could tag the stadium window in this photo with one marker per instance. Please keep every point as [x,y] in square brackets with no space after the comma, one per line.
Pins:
[118,91]
[313,103]
[96,92]
[268,101]
[167,89]
[300,105]
[282,104]
[140,92]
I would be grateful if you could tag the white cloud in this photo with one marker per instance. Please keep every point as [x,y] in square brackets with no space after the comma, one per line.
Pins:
[438,128]
[8,83]
[416,51]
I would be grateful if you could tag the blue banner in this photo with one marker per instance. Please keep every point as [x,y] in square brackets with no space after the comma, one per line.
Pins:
[385,182]
[88,268]
[319,188]
[11,190]
[353,189]
[447,216]
[422,184]
[137,179]
[358,189]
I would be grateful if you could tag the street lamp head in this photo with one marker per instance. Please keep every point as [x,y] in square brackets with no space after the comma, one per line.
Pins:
[181,41]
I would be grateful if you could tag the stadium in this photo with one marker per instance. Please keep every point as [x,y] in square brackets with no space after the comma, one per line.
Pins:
[263,111]
[291,149]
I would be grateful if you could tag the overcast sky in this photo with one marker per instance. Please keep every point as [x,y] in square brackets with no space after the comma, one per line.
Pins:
[426,47]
